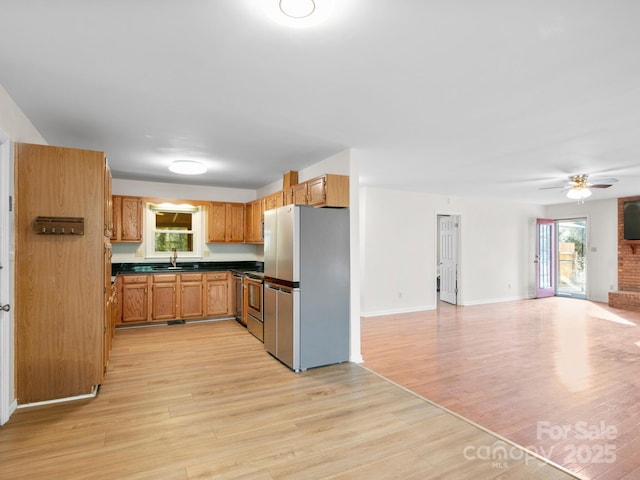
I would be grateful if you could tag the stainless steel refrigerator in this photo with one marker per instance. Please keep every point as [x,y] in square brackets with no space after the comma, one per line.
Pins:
[306,285]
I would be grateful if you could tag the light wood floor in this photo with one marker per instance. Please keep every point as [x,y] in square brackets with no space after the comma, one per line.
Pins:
[524,368]
[205,401]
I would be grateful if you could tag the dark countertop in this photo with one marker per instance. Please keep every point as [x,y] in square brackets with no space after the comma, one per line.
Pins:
[181,267]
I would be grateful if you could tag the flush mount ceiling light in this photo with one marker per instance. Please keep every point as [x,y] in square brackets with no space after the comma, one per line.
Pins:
[187,167]
[297,8]
[299,14]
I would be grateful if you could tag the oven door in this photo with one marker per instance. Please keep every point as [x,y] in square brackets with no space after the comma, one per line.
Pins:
[254,298]
[255,313]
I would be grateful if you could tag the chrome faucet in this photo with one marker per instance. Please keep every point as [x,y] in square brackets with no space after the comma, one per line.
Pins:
[174,258]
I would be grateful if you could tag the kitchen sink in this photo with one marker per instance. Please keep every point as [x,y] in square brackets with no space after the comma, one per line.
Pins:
[163,268]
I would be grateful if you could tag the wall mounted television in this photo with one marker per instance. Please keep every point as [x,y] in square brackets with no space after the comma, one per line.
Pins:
[631,220]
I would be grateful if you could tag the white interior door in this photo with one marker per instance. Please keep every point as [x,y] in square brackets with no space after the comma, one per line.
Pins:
[448,261]
[7,396]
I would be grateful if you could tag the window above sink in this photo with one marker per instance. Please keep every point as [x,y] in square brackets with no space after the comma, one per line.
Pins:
[170,226]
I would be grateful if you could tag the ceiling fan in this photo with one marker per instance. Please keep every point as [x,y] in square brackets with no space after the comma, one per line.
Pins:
[578,188]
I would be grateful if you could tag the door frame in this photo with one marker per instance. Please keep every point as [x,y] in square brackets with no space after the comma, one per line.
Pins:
[587,235]
[458,254]
[8,402]
[548,260]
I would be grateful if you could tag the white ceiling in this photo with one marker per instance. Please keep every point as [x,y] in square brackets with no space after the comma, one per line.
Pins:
[463,97]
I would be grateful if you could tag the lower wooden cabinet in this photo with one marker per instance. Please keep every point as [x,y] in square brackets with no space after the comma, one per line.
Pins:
[135,300]
[164,297]
[219,294]
[191,304]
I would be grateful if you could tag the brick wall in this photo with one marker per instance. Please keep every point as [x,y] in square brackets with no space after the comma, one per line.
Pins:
[628,295]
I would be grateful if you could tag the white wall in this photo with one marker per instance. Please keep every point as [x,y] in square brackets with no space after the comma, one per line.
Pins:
[338,164]
[602,242]
[15,123]
[399,249]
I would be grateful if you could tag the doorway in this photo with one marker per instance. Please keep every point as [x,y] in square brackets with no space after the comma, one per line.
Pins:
[571,264]
[447,265]
[7,397]
[560,258]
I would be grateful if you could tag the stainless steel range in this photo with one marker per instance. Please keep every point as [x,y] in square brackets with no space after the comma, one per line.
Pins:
[253,282]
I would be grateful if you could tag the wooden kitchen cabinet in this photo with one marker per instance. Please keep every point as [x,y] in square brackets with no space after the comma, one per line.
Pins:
[127,219]
[254,221]
[191,301]
[274,200]
[225,222]
[328,191]
[219,300]
[299,194]
[116,310]
[164,300]
[135,298]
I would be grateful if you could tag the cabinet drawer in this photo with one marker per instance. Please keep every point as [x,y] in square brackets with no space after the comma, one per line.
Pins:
[217,276]
[134,279]
[191,277]
[164,278]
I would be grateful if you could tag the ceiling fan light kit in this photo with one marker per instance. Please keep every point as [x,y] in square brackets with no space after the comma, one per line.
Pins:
[578,193]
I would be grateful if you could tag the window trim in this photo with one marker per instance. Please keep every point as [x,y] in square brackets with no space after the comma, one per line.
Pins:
[197,229]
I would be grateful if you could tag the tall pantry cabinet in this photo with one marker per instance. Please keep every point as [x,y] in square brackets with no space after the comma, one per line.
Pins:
[62,284]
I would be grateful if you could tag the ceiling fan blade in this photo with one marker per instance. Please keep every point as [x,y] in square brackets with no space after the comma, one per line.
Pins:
[554,187]
[604,180]
[599,185]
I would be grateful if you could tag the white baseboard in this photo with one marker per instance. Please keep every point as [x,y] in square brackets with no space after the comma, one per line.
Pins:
[395,311]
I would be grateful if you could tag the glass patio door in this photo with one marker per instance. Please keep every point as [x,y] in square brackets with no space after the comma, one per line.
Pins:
[572,241]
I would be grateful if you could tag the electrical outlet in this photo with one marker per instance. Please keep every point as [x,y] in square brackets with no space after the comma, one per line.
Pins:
[400,295]
[139,253]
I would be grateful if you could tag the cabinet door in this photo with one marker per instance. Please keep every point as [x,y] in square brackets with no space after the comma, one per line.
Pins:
[116,212]
[235,223]
[117,310]
[108,203]
[217,296]
[299,194]
[288,196]
[253,221]
[127,219]
[134,302]
[216,220]
[219,300]
[163,301]
[131,219]
[329,191]
[258,218]
[191,305]
[317,194]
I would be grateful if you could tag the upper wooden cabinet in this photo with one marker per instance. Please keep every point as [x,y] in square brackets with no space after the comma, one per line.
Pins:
[274,200]
[254,220]
[328,191]
[299,194]
[325,191]
[225,222]
[127,219]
